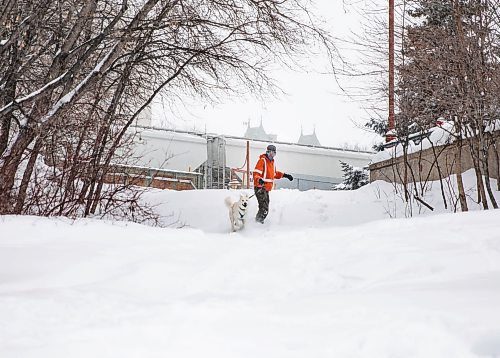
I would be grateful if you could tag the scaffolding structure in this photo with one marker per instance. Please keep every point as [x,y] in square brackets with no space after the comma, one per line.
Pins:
[217,175]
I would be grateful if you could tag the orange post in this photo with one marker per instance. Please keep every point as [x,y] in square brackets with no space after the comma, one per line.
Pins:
[248,164]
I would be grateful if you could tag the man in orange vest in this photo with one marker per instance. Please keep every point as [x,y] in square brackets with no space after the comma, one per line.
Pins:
[263,178]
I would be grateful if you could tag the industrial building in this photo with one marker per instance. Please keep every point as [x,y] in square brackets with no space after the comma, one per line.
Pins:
[186,160]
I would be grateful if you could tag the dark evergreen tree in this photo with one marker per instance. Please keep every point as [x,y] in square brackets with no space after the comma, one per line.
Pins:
[354,178]
[380,127]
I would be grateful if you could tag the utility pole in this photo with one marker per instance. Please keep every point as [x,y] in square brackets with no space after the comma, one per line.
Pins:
[391,123]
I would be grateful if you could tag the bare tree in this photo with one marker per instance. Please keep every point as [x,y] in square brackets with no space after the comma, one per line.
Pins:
[75,76]
[452,73]
[447,69]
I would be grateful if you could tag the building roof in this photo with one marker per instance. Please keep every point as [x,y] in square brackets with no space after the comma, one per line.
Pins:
[258,133]
[309,139]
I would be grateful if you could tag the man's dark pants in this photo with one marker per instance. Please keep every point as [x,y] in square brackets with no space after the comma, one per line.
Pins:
[263,199]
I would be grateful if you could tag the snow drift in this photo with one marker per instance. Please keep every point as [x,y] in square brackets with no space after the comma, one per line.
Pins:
[327,275]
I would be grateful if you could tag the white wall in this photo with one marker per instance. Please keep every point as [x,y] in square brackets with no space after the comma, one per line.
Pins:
[170,150]
[296,159]
[187,152]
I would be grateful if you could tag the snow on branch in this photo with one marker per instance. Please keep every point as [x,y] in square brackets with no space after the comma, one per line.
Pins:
[33,95]
[68,97]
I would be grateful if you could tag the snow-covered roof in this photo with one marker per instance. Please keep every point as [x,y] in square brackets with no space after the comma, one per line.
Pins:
[439,135]
[443,133]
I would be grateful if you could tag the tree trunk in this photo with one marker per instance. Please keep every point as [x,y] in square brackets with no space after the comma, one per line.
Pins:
[486,172]
[4,133]
[496,148]
[481,191]
[460,182]
[9,169]
[21,197]
[8,95]
[405,171]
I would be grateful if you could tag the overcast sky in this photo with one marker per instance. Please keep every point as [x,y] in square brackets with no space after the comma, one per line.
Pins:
[313,100]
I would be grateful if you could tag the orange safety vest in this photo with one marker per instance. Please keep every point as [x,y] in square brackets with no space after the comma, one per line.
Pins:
[265,169]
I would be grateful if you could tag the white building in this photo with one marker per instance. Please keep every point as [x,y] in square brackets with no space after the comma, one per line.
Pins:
[312,166]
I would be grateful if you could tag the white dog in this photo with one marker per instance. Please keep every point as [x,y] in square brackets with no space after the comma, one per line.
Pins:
[237,211]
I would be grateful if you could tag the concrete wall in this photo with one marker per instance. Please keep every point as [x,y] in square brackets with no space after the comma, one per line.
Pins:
[423,164]
[170,150]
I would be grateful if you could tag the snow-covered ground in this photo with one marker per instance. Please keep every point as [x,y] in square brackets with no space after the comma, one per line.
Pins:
[328,275]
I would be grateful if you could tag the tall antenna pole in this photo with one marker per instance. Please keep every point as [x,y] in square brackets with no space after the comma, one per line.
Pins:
[391,124]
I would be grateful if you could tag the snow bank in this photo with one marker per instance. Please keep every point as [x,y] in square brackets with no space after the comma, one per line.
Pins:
[205,210]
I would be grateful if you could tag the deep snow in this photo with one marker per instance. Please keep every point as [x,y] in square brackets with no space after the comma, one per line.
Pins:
[327,275]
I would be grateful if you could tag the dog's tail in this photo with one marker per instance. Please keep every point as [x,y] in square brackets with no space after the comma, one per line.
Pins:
[228,202]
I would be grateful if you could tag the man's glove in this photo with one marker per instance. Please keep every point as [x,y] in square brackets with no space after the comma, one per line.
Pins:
[261,181]
[288,176]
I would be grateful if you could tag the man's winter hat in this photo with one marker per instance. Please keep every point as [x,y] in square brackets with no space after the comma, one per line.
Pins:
[271,148]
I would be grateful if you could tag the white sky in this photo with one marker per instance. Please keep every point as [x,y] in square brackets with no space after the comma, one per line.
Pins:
[313,100]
